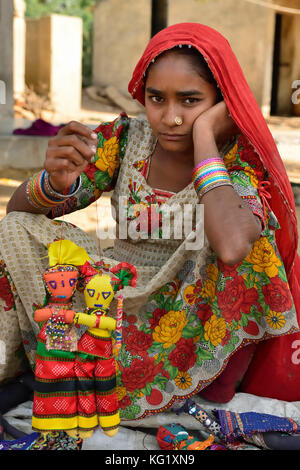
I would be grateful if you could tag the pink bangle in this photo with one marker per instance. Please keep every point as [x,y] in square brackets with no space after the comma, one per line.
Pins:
[209,174]
[206,161]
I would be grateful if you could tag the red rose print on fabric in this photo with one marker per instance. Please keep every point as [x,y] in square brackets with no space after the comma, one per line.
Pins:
[137,342]
[236,298]
[184,355]
[140,373]
[90,171]
[156,316]
[6,293]
[204,312]
[126,401]
[277,296]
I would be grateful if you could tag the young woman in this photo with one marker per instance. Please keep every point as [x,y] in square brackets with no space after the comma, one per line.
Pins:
[192,323]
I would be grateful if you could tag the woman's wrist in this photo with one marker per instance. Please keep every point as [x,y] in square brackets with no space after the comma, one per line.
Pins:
[205,145]
[65,192]
[57,188]
[42,196]
[209,174]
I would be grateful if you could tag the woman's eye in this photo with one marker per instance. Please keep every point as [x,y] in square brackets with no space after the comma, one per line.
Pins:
[156,99]
[191,100]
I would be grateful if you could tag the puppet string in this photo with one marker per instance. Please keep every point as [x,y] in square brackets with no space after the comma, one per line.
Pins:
[61,231]
[97,227]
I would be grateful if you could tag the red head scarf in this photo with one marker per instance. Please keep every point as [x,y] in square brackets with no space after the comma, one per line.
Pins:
[246,113]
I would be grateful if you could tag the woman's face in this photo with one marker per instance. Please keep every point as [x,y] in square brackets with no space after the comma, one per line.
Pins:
[174,88]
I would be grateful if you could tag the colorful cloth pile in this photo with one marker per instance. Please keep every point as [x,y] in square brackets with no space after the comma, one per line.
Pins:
[233,431]
[35,441]
[176,437]
[237,426]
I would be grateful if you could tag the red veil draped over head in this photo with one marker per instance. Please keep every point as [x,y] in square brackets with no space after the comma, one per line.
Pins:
[273,372]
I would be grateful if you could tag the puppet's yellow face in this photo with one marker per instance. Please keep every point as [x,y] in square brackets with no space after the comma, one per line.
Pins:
[98,292]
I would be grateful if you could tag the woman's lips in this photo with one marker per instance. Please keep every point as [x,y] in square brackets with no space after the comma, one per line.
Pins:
[173,137]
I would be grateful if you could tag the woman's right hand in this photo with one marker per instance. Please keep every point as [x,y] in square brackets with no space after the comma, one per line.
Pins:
[68,154]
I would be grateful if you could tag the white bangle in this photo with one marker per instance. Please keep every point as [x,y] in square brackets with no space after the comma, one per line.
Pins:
[72,191]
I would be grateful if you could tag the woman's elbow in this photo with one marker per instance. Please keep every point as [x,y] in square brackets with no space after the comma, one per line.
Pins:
[234,254]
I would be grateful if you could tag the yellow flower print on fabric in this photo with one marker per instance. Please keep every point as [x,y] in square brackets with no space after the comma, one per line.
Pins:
[264,258]
[276,320]
[172,289]
[97,193]
[215,330]
[108,156]
[169,329]
[140,164]
[189,294]
[212,272]
[208,290]
[183,380]
[121,392]
[251,278]
[252,175]
[230,157]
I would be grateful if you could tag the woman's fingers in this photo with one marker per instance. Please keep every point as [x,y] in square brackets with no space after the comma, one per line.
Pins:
[72,146]
[217,120]
[68,153]
[69,162]
[77,128]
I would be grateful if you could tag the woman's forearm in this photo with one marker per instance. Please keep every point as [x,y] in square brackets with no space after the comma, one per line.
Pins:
[229,224]
[19,202]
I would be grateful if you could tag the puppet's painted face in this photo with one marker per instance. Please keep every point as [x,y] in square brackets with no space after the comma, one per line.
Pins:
[98,292]
[61,283]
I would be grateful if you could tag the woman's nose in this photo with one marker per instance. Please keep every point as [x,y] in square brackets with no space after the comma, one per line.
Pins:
[169,115]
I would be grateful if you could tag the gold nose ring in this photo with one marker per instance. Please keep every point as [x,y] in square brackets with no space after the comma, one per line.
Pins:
[178,120]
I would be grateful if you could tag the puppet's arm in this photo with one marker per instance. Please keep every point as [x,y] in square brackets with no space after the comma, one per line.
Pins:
[92,321]
[43,314]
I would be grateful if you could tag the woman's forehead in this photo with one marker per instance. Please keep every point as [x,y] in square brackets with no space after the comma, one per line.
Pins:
[173,67]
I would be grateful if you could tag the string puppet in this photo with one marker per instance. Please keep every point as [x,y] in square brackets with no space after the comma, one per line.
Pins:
[76,379]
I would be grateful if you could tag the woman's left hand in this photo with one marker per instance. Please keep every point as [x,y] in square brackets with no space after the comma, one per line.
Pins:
[217,121]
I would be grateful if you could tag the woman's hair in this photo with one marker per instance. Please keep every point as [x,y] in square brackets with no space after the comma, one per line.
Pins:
[198,62]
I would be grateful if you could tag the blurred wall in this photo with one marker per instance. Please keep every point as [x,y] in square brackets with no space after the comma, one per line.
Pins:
[53,60]
[121,32]
[6,58]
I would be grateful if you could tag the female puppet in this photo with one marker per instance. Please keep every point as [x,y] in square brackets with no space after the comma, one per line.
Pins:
[75,381]
[55,404]
[95,367]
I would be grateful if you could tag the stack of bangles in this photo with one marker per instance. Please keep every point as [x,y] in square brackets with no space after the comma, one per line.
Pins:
[210,174]
[41,195]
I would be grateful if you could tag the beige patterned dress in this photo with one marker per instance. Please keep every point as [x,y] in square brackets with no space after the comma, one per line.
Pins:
[189,312]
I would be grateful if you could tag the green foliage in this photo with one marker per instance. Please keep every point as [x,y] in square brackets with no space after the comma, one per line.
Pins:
[81,8]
